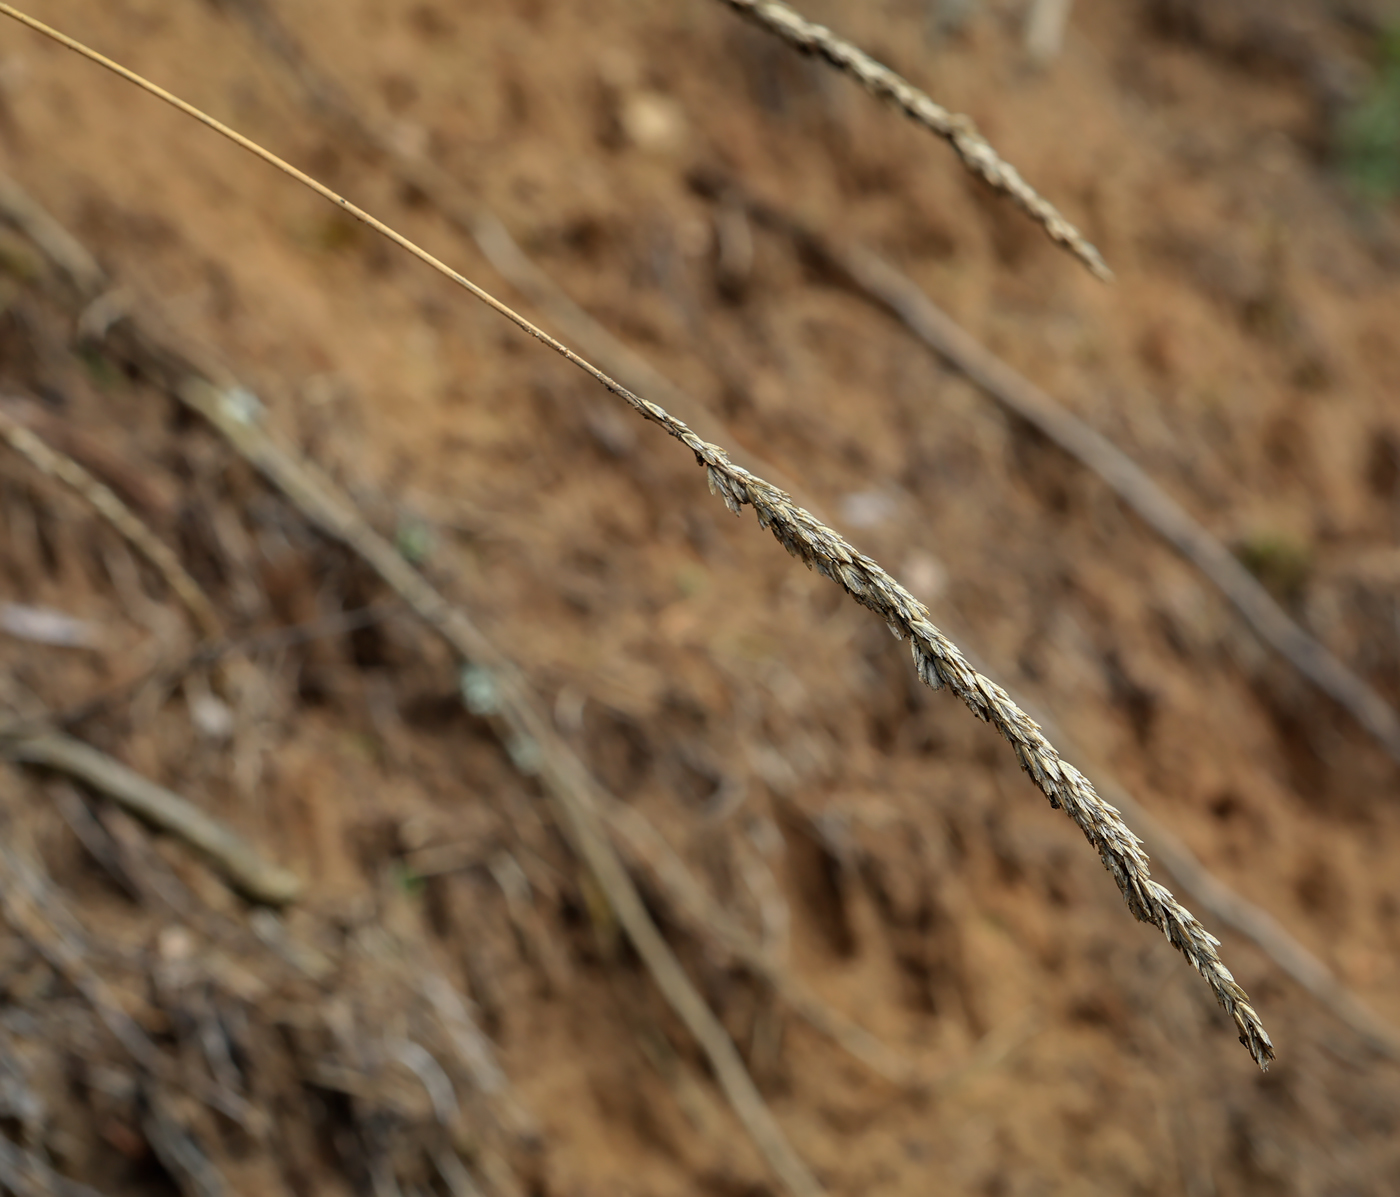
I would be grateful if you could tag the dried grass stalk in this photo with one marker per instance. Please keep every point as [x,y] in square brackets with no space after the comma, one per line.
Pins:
[957,130]
[1268,934]
[1237,912]
[937,660]
[939,663]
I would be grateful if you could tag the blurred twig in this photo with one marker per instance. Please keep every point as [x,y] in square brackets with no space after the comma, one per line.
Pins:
[177,1150]
[98,841]
[230,853]
[529,734]
[133,482]
[57,244]
[958,130]
[478,1057]
[105,502]
[27,905]
[167,676]
[693,903]
[1045,29]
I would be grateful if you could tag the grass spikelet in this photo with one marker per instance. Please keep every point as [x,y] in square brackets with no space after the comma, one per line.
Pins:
[938,662]
[975,152]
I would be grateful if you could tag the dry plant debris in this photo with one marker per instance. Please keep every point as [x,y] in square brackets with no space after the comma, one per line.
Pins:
[334,104]
[937,661]
[526,733]
[532,742]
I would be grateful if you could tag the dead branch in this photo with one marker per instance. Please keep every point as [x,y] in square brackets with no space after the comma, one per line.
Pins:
[231,855]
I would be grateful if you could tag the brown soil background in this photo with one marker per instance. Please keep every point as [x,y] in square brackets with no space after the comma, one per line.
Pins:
[1248,356]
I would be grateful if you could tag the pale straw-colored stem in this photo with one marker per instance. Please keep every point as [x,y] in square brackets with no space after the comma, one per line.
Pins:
[527,733]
